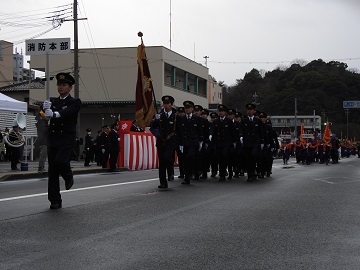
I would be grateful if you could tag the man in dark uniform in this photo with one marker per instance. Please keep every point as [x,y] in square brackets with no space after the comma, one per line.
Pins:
[105,146]
[62,112]
[274,150]
[266,152]
[114,148]
[206,145]
[88,147]
[190,139]
[239,152]
[214,166]
[222,133]
[252,139]
[201,160]
[232,150]
[165,123]
[180,113]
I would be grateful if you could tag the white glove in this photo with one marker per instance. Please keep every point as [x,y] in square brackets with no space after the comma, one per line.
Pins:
[49,113]
[268,146]
[242,140]
[88,148]
[262,146]
[118,139]
[272,149]
[210,137]
[103,151]
[181,148]
[46,104]
[234,144]
[200,145]
[157,116]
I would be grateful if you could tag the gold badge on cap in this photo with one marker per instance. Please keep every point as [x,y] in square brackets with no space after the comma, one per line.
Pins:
[62,77]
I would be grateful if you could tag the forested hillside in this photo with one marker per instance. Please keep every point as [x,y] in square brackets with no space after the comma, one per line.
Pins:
[318,86]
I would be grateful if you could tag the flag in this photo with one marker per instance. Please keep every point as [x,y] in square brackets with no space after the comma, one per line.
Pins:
[302,131]
[327,133]
[144,103]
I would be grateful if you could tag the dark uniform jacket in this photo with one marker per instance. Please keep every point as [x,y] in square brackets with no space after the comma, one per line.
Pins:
[62,130]
[252,132]
[114,141]
[268,136]
[223,131]
[88,141]
[166,127]
[190,131]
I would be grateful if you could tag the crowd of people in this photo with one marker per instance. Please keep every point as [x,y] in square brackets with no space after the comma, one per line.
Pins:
[228,145]
[308,151]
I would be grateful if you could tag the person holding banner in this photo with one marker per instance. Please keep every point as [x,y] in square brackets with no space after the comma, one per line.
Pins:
[62,112]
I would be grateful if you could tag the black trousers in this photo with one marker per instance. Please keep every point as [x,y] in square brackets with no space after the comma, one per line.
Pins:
[113,156]
[104,158]
[59,165]
[181,161]
[251,155]
[222,152]
[190,156]
[87,157]
[166,155]
[15,156]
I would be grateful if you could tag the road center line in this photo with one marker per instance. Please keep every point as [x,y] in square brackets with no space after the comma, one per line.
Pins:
[77,189]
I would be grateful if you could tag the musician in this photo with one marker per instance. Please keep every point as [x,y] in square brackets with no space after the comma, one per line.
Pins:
[62,112]
[14,137]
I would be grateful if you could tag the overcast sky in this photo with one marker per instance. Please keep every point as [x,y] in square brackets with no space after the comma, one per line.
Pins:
[236,35]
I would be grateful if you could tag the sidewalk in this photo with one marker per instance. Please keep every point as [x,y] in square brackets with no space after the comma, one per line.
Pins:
[6,174]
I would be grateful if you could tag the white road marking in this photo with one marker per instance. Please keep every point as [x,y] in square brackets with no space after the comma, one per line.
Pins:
[77,189]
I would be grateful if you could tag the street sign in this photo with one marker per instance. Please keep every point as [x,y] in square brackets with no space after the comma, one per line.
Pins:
[285,136]
[307,136]
[47,46]
[354,104]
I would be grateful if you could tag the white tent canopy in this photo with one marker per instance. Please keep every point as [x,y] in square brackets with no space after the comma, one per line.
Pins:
[8,104]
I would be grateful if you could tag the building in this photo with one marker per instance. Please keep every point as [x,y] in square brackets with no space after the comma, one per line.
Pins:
[6,63]
[311,122]
[20,73]
[108,78]
[214,93]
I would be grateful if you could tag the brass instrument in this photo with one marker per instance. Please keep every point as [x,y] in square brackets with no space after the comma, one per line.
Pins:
[16,139]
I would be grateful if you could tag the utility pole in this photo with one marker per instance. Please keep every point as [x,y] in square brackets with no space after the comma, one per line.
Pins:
[295,130]
[255,96]
[76,51]
[347,112]
[206,58]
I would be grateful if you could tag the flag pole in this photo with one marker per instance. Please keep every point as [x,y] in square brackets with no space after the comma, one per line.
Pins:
[140,34]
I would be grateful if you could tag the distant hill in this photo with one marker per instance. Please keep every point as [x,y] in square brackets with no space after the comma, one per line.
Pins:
[318,86]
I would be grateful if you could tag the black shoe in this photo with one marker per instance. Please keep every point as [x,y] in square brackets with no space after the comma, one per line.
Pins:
[55,206]
[241,174]
[203,177]
[268,175]
[69,183]
[261,176]
[213,175]
[181,176]
[87,165]
[163,186]
[185,182]
[229,177]
[222,179]
[171,178]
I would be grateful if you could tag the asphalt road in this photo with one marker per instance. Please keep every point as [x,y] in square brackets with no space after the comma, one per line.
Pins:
[303,217]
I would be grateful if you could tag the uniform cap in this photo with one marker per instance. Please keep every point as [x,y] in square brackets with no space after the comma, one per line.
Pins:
[262,115]
[167,99]
[198,108]
[250,106]
[238,114]
[205,112]
[222,107]
[65,78]
[214,115]
[88,130]
[231,111]
[180,109]
[188,103]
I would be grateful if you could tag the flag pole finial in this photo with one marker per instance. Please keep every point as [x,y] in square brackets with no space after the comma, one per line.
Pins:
[140,34]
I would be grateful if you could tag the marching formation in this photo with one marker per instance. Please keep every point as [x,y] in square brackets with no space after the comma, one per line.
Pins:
[228,145]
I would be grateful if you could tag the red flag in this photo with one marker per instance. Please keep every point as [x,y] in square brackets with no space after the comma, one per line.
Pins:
[327,133]
[144,103]
[302,131]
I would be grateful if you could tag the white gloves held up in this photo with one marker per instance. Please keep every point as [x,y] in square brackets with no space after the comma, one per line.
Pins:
[49,113]
[46,104]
